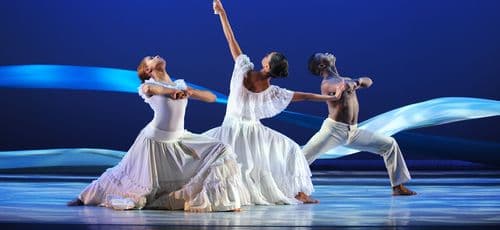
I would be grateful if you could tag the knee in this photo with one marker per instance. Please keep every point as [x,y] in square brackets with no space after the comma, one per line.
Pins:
[388,147]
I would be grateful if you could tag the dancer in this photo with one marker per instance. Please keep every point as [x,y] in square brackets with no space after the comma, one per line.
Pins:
[274,168]
[168,167]
[340,128]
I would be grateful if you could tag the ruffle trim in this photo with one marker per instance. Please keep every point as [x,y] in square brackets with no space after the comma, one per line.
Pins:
[255,106]
[250,105]
[219,189]
[268,103]
[243,63]
[120,192]
[109,187]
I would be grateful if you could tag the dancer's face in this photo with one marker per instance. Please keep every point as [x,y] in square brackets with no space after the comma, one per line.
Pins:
[320,62]
[265,61]
[328,59]
[155,62]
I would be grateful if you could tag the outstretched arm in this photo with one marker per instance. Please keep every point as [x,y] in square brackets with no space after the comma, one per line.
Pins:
[151,90]
[202,95]
[325,96]
[228,31]
[300,96]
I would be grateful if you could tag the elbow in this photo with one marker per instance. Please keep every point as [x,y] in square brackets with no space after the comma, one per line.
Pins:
[369,82]
[146,89]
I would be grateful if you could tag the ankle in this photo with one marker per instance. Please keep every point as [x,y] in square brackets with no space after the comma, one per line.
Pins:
[399,186]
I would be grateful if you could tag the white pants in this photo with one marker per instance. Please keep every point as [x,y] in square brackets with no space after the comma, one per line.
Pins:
[333,134]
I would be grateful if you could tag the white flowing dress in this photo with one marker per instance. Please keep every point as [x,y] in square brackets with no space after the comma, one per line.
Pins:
[168,167]
[274,168]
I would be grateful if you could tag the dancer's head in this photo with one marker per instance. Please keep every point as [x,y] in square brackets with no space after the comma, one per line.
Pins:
[322,63]
[275,64]
[150,64]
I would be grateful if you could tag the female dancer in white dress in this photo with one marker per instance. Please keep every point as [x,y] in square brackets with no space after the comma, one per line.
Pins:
[274,168]
[168,167]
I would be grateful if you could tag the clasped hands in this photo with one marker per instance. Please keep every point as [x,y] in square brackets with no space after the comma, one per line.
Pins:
[181,94]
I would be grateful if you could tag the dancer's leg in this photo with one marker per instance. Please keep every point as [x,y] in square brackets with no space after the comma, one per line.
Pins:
[388,148]
[328,137]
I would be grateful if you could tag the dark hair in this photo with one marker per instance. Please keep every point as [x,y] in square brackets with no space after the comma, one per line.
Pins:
[314,65]
[278,65]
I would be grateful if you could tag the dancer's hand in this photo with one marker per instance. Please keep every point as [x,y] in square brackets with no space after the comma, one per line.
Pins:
[189,91]
[177,94]
[218,7]
[202,95]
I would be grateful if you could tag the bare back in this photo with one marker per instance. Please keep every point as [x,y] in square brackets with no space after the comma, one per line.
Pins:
[346,109]
[255,83]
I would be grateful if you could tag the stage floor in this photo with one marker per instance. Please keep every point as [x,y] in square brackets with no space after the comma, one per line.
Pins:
[354,199]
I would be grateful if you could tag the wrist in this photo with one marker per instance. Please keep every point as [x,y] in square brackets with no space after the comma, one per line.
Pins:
[357,83]
[222,13]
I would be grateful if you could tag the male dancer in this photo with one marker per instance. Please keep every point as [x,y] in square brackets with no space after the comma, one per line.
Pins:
[340,128]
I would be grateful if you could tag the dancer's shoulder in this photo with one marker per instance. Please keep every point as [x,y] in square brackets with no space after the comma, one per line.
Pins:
[243,61]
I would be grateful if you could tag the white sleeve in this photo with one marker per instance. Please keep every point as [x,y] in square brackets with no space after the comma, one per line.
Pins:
[242,65]
[142,94]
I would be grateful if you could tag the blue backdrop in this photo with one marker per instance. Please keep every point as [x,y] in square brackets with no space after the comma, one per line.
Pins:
[413,50]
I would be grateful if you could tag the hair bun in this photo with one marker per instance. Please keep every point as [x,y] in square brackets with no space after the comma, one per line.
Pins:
[278,65]
[284,73]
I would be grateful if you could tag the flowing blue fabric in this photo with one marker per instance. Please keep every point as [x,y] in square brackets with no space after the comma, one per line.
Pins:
[77,78]
[428,113]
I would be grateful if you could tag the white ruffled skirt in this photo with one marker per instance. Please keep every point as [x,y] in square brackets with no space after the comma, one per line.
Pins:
[273,166]
[171,170]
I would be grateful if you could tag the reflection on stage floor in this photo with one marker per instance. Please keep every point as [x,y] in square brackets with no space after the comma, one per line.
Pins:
[461,199]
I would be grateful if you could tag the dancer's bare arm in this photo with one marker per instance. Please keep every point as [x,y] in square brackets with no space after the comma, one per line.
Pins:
[151,90]
[202,95]
[362,82]
[326,94]
[301,96]
[228,31]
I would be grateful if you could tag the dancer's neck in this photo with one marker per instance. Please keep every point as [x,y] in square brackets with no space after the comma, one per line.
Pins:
[161,76]
[264,75]
[330,73]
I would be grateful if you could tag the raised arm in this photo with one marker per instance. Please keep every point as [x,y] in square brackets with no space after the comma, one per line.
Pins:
[202,95]
[228,31]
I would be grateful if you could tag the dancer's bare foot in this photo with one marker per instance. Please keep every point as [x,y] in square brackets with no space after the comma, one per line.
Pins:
[305,198]
[75,202]
[401,190]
